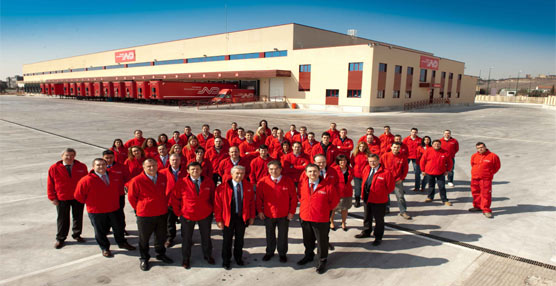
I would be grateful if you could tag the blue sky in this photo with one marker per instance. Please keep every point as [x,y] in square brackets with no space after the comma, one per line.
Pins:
[507,35]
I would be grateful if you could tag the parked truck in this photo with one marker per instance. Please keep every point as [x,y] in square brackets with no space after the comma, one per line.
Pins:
[234,95]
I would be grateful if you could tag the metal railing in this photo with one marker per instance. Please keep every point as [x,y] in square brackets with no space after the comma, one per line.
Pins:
[425,103]
[265,100]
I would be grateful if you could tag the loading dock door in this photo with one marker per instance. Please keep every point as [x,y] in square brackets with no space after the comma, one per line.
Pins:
[276,88]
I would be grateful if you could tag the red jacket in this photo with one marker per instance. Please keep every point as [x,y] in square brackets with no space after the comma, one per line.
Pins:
[375,145]
[134,166]
[276,200]
[343,147]
[202,140]
[412,145]
[420,151]
[386,141]
[403,150]
[289,135]
[223,202]
[146,198]
[268,140]
[160,164]
[347,190]
[297,138]
[359,162]
[258,169]
[308,147]
[119,155]
[231,134]
[331,152]
[60,186]
[333,134]
[293,166]
[226,165]
[134,142]
[151,152]
[436,162]
[189,154]
[250,148]
[259,140]
[119,174]
[171,180]
[187,203]
[99,197]
[315,206]
[216,157]
[451,146]
[382,185]
[179,142]
[275,146]
[396,164]
[236,141]
[225,143]
[484,166]
[184,138]
[332,177]
[279,154]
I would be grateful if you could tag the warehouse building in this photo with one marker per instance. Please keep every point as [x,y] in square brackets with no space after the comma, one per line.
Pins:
[309,67]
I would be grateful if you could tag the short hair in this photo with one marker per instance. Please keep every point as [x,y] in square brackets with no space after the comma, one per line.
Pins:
[292,125]
[217,130]
[107,152]
[448,130]
[286,142]
[296,142]
[151,160]
[250,132]
[436,140]
[199,148]
[332,123]
[174,155]
[341,157]
[274,128]
[343,129]
[414,129]
[480,143]
[398,135]
[325,134]
[137,130]
[319,155]
[204,125]
[161,145]
[275,163]
[311,133]
[99,159]
[69,150]
[233,146]
[263,146]
[303,127]
[386,126]
[370,128]
[397,143]
[234,123]
[237,167]
[194,164]
[189,127]
[311,165]
[241,128]
[372,155]
[176,132]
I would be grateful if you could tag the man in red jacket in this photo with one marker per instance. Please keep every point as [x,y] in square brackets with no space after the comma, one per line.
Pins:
[396,163]
[343,143]
[326,148]
[232,133]
[413,142]
[173,174]
[240,138]
[184,138]
[377,184]
[216,133]
[192,201]
[232,160]
[234,210]
[334,133]
[291,133]
[258,166]
[276,144]
[484,164]
[61,182]
[162,159]
[301,136]
[451,145]
[119,174]
[102,197]
[276,205]
[370,131]
[204,136]
[318,198]
[435,164]
[309,143]
[386,140]
[135,141]
[147,195]
[215,155]
[248,148]
[294,163]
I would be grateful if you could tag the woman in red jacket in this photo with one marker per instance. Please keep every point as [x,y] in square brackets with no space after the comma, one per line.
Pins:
[176,149]
[120,152]
[421,149]
[260,136]
[189,150]
[134,162]
[359,162]
[346,176]
[286,149]
[264,124]
[163,139]
[150,149]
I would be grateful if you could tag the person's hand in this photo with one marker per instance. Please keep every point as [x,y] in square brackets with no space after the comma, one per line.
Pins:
[424,174]
[220,224]
[251,221]
[55,202]
[399,181]
[446,174]
[290,216]
[261,215]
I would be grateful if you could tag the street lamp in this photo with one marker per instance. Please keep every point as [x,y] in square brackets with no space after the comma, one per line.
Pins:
[488,83]
[517,84]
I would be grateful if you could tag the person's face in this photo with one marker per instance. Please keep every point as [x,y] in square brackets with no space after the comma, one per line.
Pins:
[369,139]
[109,158]
[176,136]
[447,134]
[274,171]
[292,128]
[175,162]
[263,153]
[216,133]
[427,141]
[361,147]
[296,149]
[279,134]
[321,162]
[274,132]
[194,171]
[176,149]
[218,143]
[163,139]
[234,126]
[194,142]
[343,163]
[205,129]
[138,134]
[373,162]
[325,140]
[263,124]
[248,137]
[387,130]
[162,151]
[481,148]
[241,133]
[310,137]
[238,175]
[118,144]
[332,126]
[343,134]
[199,156]
[303,131]
[68,158]
[436,145]
[150,168]
[136,153]
[187,130]
[286,148]
[312,173]
[234,153]
[398,139]
[99,166]
[370,132]
[395,149]
[150,143]
[414,133]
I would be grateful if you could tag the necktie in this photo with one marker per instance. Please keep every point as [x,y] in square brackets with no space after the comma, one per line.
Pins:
[275,181]
[312,185]
[197,188]
[105,179]
[175,175]
[368,184]
[154,180]
[239,201]
[68,167]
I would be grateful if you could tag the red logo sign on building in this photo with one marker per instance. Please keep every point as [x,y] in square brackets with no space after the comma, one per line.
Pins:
[125,56]
[429,63]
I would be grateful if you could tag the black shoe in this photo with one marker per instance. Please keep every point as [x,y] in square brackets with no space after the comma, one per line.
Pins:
[267,257]
[165,258]
[79,239]
[283,259]
[240,262]
[107,253]
[304,260]
[59,244]
[330,246]
[144,265]
[377,242]
[321,268]
[363,235]
[210,260]
[474,209]
[126,233]
[227,266]
[186,264]
[127,246]
[169,243]
[387,211]
[357,204]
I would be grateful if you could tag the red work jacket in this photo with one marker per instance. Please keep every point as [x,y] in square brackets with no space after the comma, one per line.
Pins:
[188,203]
[382,185]
[276,200]
[96,195]
[484,166]
[223,202]
[315,206]
[147,198]
[60,186]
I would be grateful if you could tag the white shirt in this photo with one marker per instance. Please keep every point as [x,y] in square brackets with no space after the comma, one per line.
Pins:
[277,180]
[315,184]
[153,178]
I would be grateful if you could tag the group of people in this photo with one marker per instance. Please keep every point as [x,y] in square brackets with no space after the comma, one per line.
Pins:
[233,179]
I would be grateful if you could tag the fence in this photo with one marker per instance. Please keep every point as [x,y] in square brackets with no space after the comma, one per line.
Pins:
[263,103]
[425,103]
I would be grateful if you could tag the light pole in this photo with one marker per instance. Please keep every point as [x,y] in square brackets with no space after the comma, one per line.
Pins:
[517,84]
[488,83]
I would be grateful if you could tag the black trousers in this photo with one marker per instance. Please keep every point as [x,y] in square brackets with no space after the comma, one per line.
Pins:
[147,226]
[270,225]
[376,211]
[367,219]
[237,229]
[121,210]
[102,222]
[315,231]
[171,224]
[63,220]
[187,228]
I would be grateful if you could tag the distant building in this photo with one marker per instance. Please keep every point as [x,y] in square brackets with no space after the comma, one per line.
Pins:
[12,81]
[544,88]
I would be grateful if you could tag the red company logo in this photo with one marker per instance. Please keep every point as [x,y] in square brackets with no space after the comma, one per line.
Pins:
[429,63]
[212,90]
[125,56]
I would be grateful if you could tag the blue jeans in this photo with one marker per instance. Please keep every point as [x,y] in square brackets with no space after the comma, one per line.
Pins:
[357,187]
[451,172]
[417,171]
[440,180]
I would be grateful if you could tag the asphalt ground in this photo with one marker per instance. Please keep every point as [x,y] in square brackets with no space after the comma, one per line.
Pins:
[440,246]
